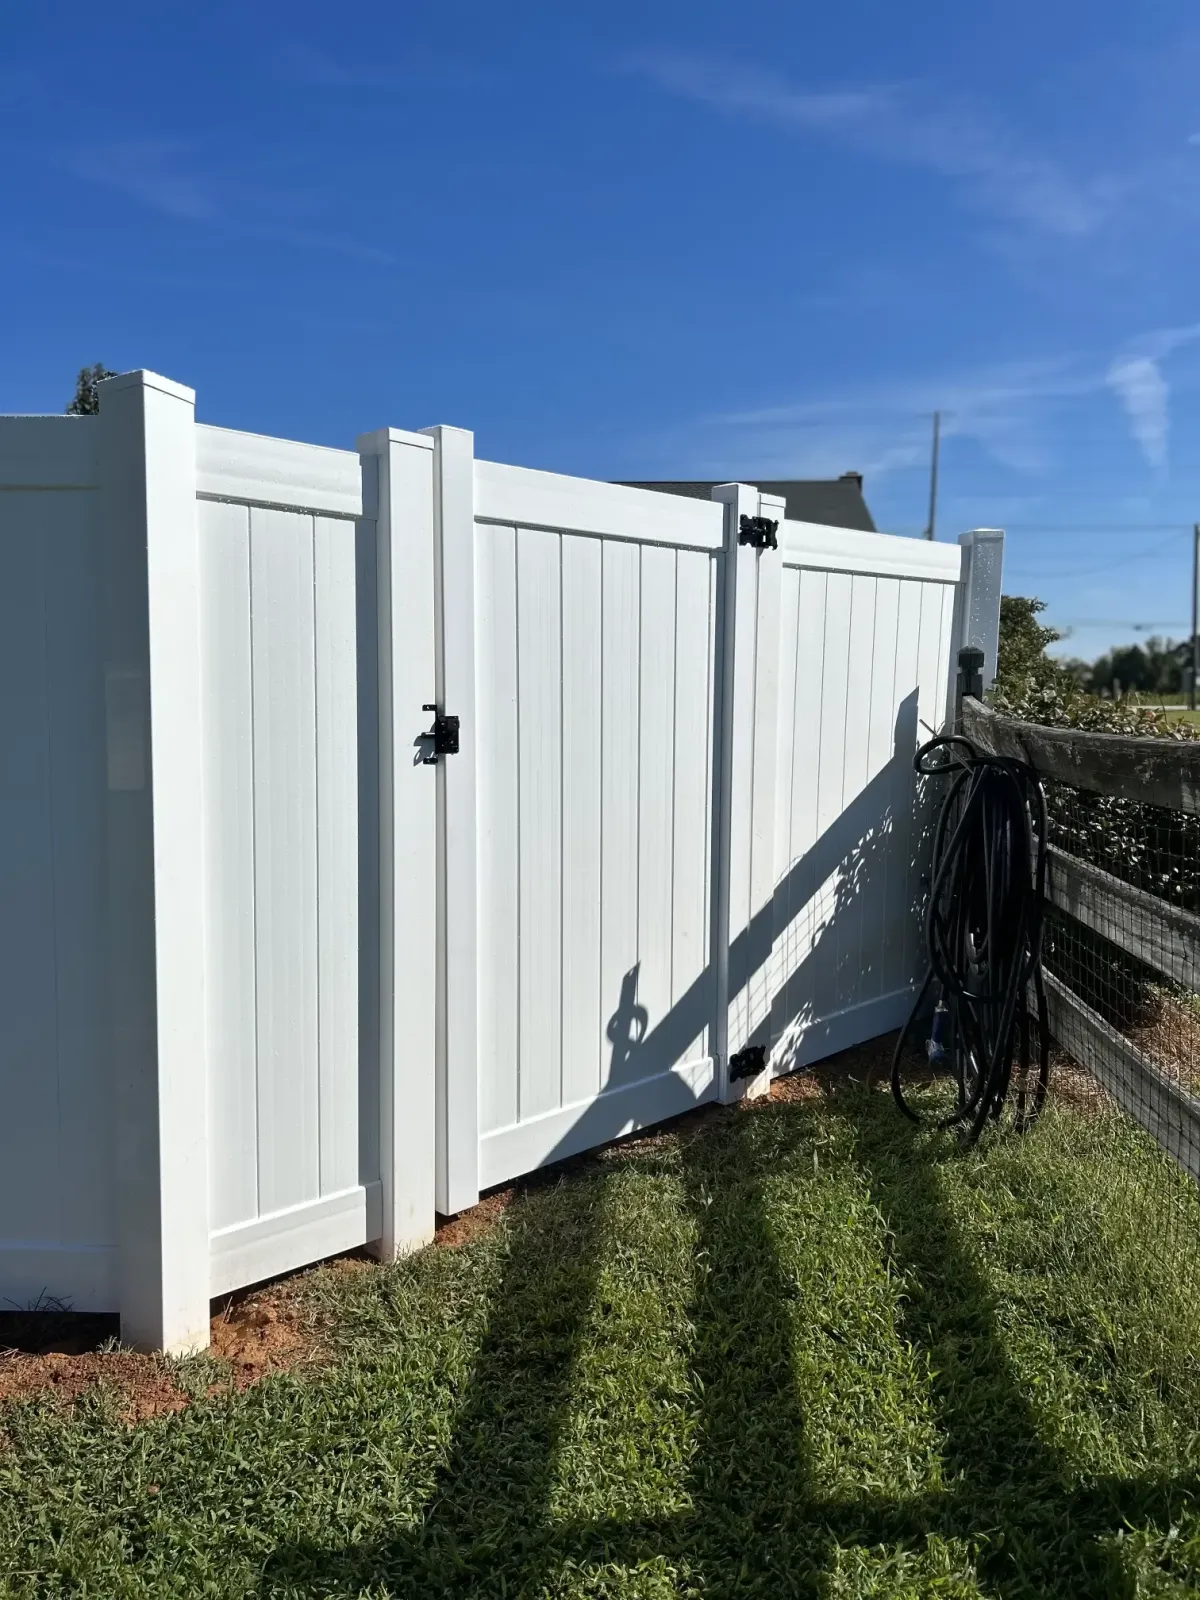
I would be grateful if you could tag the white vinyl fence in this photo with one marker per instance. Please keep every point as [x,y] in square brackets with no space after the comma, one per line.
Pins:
[278,979]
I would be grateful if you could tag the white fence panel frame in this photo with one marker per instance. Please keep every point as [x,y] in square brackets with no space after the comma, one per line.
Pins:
[749,755]
[867,652]
[587,615]
[318,847]
[397,553]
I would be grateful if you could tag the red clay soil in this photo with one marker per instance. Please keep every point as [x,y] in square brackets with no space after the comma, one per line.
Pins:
[255,1334]
[471,1225]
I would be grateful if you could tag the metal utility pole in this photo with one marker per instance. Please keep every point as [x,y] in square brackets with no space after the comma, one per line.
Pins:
[1195,608]
[933,475]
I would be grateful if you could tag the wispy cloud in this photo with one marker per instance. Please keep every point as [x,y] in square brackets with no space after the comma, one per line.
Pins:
[330,243]
[153,172]
[321,69]
[898,122]
[166,176]
[1138,381]
[1143,391]
[885,428]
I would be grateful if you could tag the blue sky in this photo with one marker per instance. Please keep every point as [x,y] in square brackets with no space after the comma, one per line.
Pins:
[650,240]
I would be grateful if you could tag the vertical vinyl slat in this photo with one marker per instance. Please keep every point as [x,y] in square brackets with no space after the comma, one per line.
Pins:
[860,820]
[619,811]
[229,866]
[709,1039]
[789,609]
[370,909]
[741,807]
[763,828]
[583,1036]
[693,784]
[881,763]
[285,843]
[539,752]
[834,714]
[656,784]
[75,695]
[901,918]
[337,850]
[800,992]
[930,712]
[496,798]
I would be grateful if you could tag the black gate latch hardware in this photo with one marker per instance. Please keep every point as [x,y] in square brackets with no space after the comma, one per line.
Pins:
[444,734]
[758,531]
[747,1063]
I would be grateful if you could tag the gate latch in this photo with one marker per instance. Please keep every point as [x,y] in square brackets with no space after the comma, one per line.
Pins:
[444,735]
[758,531]
[747,1063]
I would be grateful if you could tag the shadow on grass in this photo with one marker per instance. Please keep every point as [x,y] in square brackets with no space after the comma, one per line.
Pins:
[758,1522]
[1037,1529]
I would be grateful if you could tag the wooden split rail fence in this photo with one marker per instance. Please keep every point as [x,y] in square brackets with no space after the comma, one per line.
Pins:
[1163,937]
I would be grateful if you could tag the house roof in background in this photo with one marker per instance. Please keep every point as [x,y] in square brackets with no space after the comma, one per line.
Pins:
[835,502]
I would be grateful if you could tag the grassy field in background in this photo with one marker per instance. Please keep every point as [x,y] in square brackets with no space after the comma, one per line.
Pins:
[803,1350]
[1175,705]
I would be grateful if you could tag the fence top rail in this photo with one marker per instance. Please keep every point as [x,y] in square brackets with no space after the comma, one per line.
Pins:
[525,498]
[1153,772]
[259,470]
[811,544]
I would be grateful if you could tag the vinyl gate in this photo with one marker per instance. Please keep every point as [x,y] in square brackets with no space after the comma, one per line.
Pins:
[684,825]
[279,974]
[594,623]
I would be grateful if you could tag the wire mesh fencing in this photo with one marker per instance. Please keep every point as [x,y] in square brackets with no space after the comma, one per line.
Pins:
[1122,963]
[1121,959]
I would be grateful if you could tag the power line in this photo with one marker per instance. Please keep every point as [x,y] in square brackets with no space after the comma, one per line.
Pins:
[1106,566]
[1092,527]
[1116,622]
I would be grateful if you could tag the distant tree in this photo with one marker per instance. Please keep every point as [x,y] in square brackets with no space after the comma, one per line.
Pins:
[1021,662]
[1155,668]
[87,399]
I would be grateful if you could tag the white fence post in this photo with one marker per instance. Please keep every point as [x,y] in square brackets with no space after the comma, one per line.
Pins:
[156,885]
[398,493]
[977,619]
[458,1057]
[745,815]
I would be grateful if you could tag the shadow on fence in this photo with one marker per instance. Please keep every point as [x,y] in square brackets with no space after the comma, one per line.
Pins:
[860,847]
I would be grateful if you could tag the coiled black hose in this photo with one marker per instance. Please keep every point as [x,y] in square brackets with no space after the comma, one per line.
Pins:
[983,930]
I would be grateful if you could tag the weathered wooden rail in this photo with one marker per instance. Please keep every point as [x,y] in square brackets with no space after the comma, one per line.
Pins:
[1153,772]
[1163,937]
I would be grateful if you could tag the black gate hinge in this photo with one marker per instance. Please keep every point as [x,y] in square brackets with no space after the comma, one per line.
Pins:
[747,1063]
[758,531]
[444,735]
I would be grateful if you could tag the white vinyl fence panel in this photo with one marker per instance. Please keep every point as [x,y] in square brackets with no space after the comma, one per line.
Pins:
[58,1221]
[595,646]
[865,661]
[281,673]
[273,980]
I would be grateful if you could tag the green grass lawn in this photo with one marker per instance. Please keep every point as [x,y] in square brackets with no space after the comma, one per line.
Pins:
[798,1351]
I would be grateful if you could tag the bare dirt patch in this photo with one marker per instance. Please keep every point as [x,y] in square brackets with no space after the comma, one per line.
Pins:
[146,1385]
[265,1332]
[481,1219]
[46,1353]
